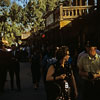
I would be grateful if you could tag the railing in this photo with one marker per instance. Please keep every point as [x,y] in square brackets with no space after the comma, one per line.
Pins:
[67,13]
[72,12]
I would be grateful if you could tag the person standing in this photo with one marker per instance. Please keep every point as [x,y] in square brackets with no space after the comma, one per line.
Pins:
[35,67]
[58,81]
[14,68]
[89,71]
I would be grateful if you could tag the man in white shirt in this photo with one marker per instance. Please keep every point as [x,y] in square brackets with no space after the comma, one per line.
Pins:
[89,71]
[85,52]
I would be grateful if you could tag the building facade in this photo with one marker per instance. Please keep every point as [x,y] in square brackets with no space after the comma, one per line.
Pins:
[72,24]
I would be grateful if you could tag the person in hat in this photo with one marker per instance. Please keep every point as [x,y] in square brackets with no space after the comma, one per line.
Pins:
[85,51]
[89,71]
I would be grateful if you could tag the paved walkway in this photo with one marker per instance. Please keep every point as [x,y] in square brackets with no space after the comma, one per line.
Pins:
[27,92]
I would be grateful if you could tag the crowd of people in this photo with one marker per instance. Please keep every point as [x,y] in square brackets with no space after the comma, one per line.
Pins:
[65,76]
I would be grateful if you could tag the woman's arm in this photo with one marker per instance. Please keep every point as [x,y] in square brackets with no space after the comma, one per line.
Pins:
[51,71]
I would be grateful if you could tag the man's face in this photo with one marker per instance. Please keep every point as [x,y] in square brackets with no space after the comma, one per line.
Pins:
[92,51]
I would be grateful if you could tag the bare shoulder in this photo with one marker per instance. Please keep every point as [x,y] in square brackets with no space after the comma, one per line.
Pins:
[51,67]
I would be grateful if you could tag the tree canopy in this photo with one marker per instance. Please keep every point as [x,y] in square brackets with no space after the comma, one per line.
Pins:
[16,17]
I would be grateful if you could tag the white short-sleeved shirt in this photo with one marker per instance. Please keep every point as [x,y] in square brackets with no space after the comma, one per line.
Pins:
[83,53]
[88,64]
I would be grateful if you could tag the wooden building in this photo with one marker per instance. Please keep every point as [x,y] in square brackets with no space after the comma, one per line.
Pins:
[72,24]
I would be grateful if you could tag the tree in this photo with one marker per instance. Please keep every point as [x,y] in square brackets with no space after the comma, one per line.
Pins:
[52,4]
[15,18]
[15,12]
[35,11]
[5,3]
[10,21]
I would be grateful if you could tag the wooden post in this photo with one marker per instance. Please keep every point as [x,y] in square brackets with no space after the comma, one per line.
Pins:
[80,2]
[76,3]
[80,12]
[76,14]
[61,11]
[70,3]
[72,12]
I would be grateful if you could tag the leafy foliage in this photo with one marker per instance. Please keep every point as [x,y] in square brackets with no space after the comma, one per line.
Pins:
[15,18]
[4,3]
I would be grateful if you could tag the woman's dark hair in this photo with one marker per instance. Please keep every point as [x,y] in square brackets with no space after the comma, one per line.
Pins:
[61,52]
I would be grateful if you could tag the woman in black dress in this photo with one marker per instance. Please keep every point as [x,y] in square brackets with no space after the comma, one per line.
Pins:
[59,79]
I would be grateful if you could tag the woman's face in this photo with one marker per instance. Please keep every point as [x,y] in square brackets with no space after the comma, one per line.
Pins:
[67,56]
